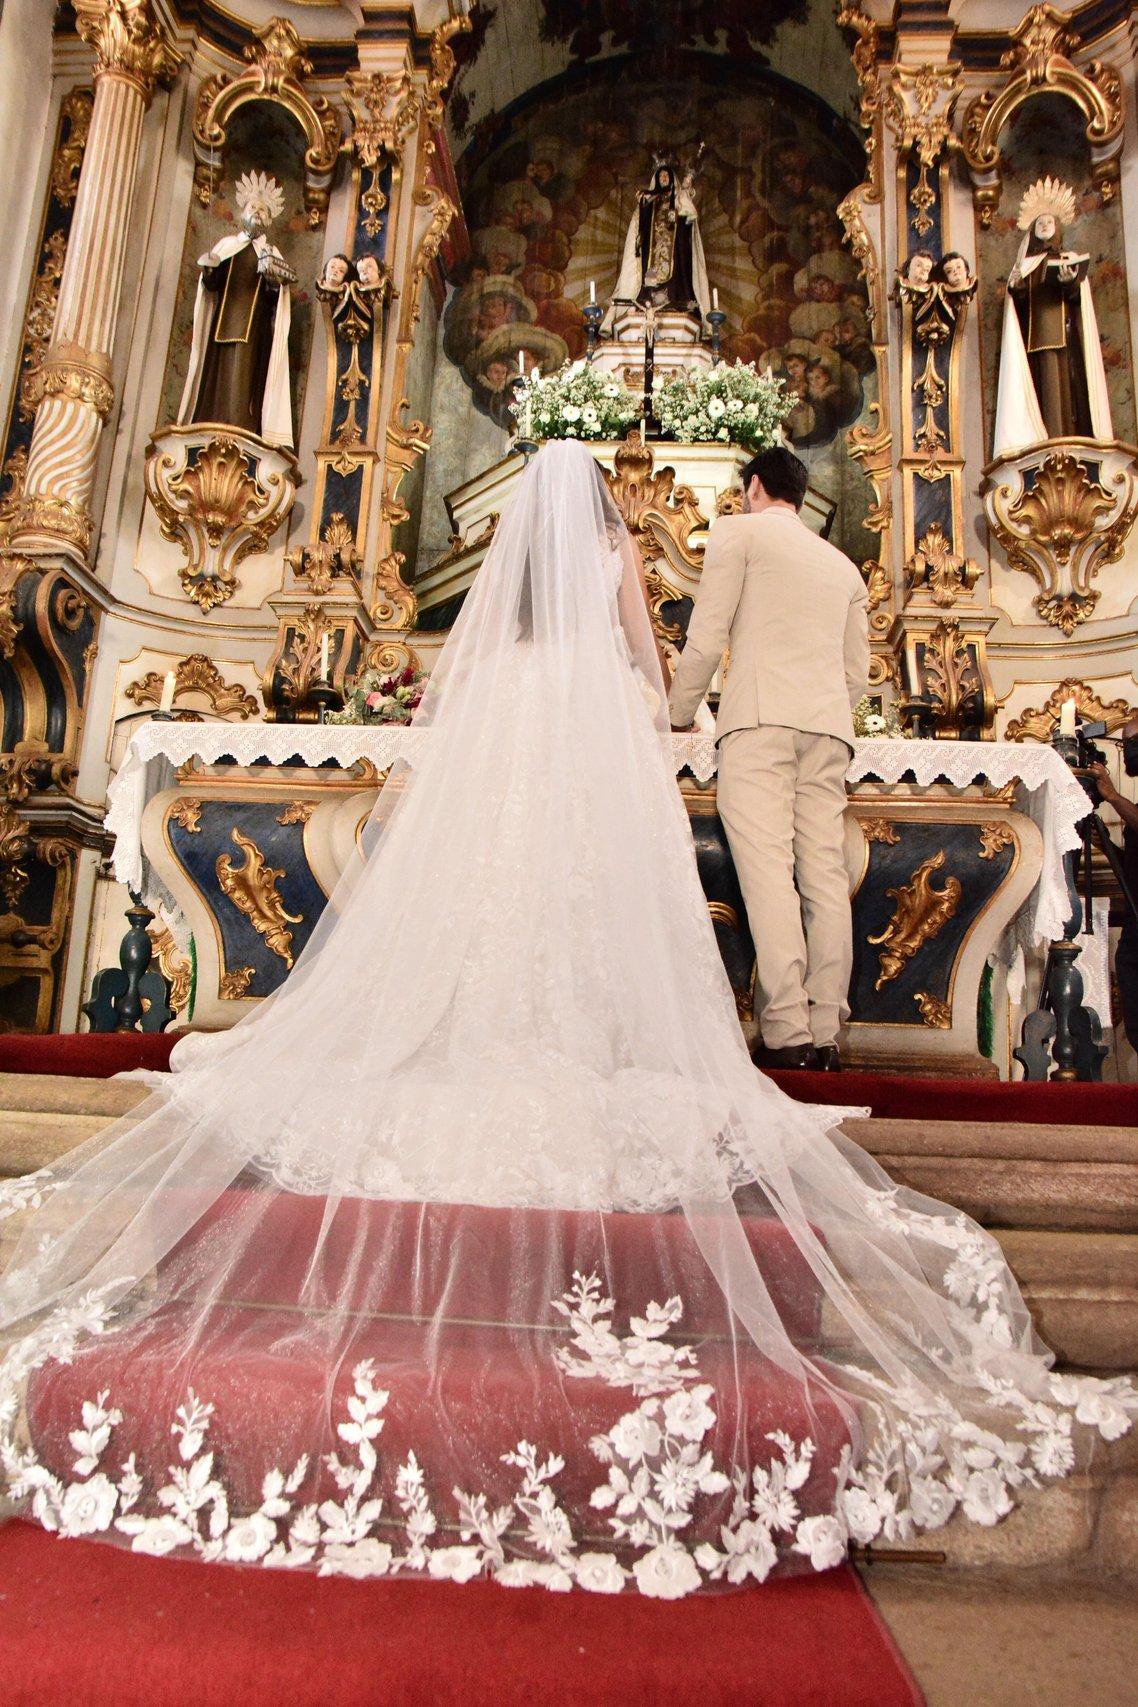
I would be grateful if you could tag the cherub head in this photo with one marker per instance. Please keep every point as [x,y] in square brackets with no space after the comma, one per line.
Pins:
[954,271]
[336,270]
[919,268]
[368,272]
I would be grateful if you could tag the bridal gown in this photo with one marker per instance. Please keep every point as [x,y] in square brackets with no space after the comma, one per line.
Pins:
[481,1248]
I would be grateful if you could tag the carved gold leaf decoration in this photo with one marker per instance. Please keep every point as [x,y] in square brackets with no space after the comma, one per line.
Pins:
[173,964]
[880,830]
[936,568]
[1040,725]
[296,812]
[252,888]
[934,1012]
[196,674]
[235,983]
[995,836]
[188,814]
[920,913]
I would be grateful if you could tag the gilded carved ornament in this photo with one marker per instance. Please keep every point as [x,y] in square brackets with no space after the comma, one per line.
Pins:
[32,768]
[252,888]
[333,557]
[1059,525]
[918,107]
[994,837]
[1039,724]
[127,42]
[220,495]
[235,983]
[936,570]
[951,677]
[880,830]
[919,914]
[76,113]
[277,69]
[933,1011]
[196,674]
[1040,60]
[174,966]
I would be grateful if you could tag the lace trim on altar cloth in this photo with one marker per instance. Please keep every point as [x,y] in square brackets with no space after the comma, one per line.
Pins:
[1050,793]
[923,1461]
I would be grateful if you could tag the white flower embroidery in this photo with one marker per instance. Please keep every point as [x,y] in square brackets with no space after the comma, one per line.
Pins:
[823,1540]
[456,1564]
[599,1572]
[88,1507]
[921,1461]
[30,1191]
[666,1573]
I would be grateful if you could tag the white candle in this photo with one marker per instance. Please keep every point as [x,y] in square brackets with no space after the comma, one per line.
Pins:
[1067,717]
[715,298]
[592,290]
[324,657]
[643,430]
[169,683]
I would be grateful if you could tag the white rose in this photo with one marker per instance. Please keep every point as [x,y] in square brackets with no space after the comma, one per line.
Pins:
[600,1573]
[155,1535]
[985,1499]
[930,1502]
[249,1538]
[88,1507]
[1103,1411]
[612,390]
[860,1511]
[716,407]
[734,406]
[823,1539]
[456,1564]
[589,414]
[688,1414]
[579,366]
[875,724]
[666,1573]
[571,412]
[635,1437]
[723,434]
[356,1559]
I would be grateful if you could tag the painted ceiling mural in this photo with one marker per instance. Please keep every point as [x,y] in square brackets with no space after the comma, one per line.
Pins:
[549,189]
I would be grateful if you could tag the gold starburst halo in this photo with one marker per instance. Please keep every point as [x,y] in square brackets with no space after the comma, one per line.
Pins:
[259,187]
[1047,195]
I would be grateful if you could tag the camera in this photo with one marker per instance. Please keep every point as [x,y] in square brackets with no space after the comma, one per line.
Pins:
[1080,752]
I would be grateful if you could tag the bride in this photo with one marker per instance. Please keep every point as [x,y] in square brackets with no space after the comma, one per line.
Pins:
[481,1248]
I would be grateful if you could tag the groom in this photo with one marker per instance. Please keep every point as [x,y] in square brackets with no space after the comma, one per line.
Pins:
[792,610]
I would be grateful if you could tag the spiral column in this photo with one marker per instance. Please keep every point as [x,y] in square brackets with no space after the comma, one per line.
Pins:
[73,390]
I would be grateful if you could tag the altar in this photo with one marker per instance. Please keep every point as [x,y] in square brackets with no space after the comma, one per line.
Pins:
[236,835]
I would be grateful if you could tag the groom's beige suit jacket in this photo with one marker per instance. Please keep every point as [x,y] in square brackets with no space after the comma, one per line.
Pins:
[790,609]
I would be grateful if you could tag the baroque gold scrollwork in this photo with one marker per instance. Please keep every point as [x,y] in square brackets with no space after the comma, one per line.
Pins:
[252,888]
[1039,61]
[919,914]
[277,69]
[196,674]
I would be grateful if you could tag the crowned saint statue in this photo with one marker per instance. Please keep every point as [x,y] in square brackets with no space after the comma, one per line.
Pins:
[662,266]
[1052,381]
[238,371]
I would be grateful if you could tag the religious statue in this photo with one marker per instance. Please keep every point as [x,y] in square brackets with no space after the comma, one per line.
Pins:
[238,371]
[1052,381]
[663,266]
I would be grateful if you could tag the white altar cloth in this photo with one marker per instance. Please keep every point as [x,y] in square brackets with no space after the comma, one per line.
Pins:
[1048,791]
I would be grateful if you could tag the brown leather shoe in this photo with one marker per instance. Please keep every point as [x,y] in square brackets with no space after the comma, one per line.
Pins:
[828,1059]
[798,1055]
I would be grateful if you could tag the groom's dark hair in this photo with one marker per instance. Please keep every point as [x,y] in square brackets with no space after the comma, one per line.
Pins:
[781,474]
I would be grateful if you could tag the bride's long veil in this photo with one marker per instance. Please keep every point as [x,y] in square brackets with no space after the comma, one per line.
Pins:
[481,1246]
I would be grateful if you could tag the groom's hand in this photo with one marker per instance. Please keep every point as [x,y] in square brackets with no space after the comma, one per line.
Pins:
[683,728]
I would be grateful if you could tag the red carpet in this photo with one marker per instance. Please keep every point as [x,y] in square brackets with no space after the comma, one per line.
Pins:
[889,1095]
[90,1626]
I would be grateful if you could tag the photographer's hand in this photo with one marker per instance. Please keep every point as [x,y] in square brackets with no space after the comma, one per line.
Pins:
[1127,809]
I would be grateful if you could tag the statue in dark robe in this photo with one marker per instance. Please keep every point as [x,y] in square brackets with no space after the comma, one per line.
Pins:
[238,374]
[1052,382]
[663,265]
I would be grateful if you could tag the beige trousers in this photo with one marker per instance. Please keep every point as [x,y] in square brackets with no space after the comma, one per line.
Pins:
[781,797]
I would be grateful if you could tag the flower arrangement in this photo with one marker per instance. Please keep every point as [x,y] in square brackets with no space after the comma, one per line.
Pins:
[874,719]
[725,405]
[376,698]
[576,402]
